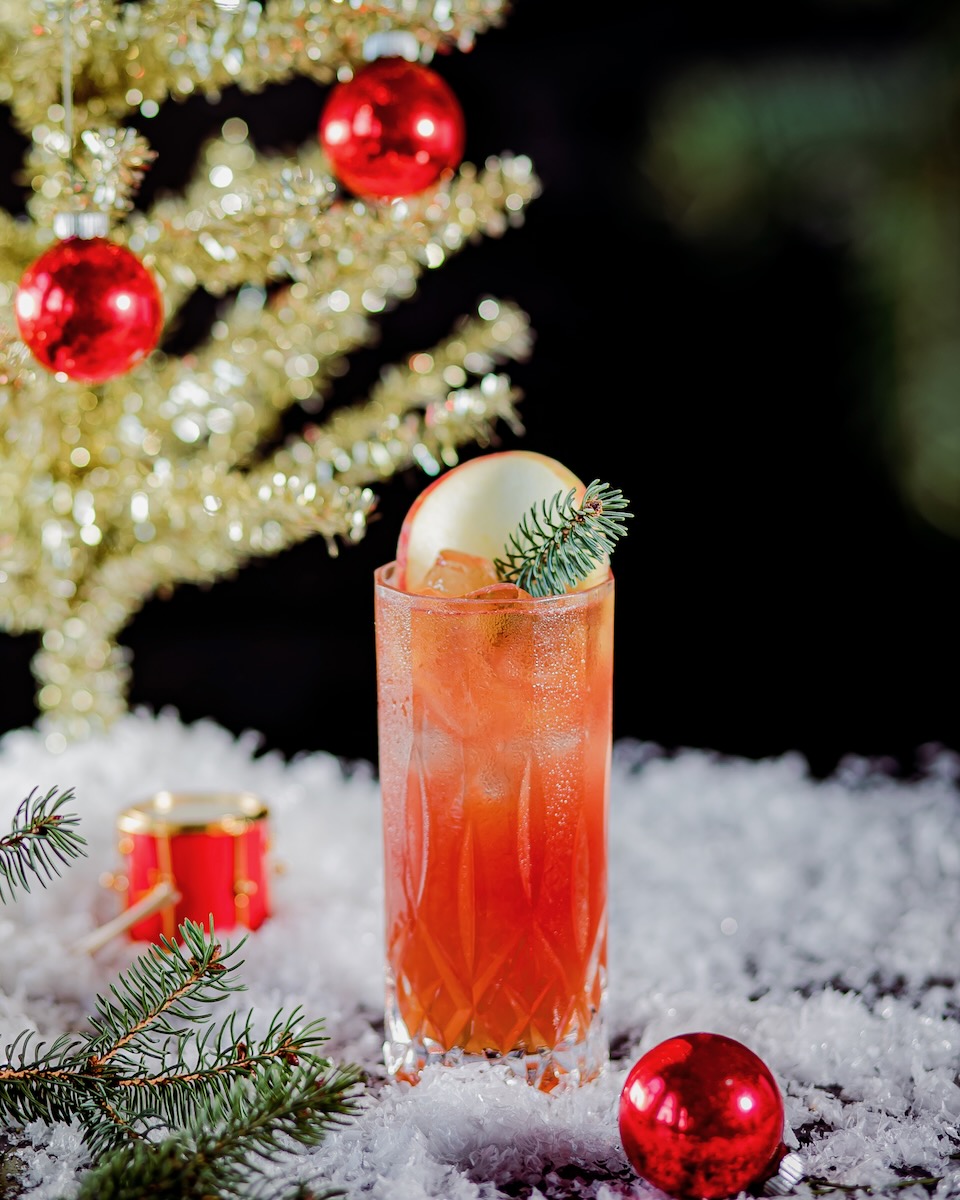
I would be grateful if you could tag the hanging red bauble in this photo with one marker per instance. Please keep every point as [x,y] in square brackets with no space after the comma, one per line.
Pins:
[89,308]
[392,130]
[701,1116]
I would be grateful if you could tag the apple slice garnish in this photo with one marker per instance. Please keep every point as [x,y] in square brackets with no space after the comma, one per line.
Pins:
[475,507]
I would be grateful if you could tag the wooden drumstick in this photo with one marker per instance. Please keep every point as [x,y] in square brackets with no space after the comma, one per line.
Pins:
[162,895]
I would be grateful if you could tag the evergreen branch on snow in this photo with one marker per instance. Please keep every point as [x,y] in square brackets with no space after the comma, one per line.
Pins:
[144,1066]
[41,838]
[162,1082]
[221,1147]
[163,986]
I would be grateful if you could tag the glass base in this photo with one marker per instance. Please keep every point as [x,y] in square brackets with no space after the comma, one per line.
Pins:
[570,1064]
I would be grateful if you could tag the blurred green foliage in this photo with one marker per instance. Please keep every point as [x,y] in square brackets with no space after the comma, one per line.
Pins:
[863,148]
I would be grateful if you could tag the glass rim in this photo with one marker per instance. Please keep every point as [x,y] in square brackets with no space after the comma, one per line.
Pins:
[465,604]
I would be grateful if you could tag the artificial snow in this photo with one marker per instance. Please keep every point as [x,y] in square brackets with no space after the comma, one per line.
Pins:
[818,922]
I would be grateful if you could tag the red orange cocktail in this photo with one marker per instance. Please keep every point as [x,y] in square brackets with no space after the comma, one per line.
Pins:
[494,757]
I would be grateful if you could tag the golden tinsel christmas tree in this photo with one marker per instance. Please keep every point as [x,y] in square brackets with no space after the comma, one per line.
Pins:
[176,470]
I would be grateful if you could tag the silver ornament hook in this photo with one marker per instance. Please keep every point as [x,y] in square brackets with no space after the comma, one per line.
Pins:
[87,223]
[788,1176]
[391,43]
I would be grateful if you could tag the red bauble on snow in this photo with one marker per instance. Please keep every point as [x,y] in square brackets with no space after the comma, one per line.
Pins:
[392,130]
[701,1116]
[89,308]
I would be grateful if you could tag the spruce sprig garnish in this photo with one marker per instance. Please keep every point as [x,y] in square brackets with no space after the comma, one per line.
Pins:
[554,548]
[40,838]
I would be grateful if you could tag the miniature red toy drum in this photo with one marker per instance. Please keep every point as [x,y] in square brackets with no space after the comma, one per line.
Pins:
[210,846]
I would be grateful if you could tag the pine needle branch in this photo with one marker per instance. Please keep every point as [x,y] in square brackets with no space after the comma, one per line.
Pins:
[219,1151]
[41,838]
[151,1058]
[554,549]
[78,1075]
[162,987]
[163,1085]
[152,1061]
[52,1085]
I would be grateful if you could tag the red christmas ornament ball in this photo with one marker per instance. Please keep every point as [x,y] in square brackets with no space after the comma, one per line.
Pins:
[392,130]
[89,308]
[701,1116]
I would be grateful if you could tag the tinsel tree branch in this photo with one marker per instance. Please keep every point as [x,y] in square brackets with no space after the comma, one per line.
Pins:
[105,172]
[420,412]
[259,223]
[20,243]
[17,371]
[82,663]
[177,48]
[42,838]
[172,473]
[245,219]
[265,357]
[314,484]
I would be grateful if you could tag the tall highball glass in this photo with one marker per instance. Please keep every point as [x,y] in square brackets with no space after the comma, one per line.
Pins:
[494,726]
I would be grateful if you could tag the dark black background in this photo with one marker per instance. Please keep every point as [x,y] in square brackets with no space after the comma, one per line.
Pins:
[774,593]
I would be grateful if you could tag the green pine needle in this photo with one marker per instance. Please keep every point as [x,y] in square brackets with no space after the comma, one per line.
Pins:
[171,1104]
[553,550]
[152,1060]
[41,838]
[217,1151]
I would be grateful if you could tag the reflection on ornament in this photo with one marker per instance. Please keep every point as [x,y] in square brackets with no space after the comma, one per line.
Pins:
[89,308]
[701,1116]
[392,130]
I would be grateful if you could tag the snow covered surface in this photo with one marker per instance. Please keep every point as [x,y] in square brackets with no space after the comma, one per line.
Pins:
[817,922]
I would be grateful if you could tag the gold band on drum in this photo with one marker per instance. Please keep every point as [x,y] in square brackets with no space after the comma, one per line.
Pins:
[157,816]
